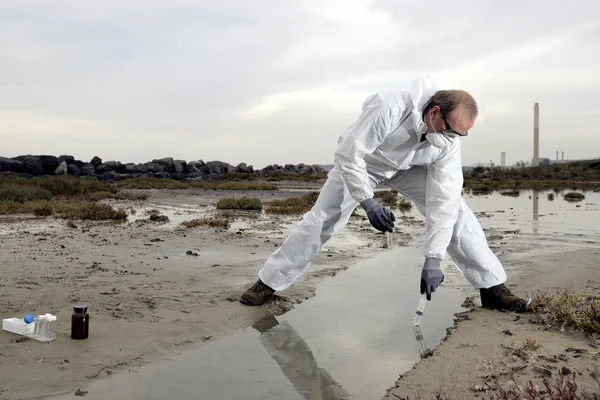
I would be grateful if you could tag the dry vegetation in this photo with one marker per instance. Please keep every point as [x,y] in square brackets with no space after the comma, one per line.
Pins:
[568,310]
[218,222]
[292,205]
[241,203]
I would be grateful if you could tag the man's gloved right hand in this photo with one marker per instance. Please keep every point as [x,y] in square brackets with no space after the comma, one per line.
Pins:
[381,218]
[431,276]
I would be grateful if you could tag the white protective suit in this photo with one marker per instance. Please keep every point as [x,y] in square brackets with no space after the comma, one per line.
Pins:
[385,147]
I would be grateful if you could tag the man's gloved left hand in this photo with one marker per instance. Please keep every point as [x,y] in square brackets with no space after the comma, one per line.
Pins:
[431,276]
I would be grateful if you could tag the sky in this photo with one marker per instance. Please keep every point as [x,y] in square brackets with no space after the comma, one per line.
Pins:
[276,82]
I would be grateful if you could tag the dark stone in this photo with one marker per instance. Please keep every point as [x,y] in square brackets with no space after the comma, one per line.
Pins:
[31,165]
[96,161]
[87,169]
[73,170]
[179,166]
[167,162]
[177,176]
[8,164]
[68,159]
[243,168]
[155,167]
[49,164]
[159,218]
[163,175]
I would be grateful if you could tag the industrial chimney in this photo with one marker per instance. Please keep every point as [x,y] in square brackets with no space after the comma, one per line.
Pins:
[536,135]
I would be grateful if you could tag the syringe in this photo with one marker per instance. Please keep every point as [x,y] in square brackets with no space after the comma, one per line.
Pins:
[420,309]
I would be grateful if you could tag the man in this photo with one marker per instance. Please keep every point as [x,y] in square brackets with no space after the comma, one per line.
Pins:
[409,141]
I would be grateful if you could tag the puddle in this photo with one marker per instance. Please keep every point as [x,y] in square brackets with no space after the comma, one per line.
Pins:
[350,341]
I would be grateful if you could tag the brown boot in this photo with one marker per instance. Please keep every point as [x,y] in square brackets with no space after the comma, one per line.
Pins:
[500,298]
[257,294]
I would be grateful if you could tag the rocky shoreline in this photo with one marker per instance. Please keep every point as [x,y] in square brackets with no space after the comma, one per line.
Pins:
[167,168]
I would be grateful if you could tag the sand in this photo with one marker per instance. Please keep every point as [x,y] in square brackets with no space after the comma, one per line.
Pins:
[149,298]
[146,296]
[478,358]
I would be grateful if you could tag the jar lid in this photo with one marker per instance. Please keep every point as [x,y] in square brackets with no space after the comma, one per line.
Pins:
[80,308]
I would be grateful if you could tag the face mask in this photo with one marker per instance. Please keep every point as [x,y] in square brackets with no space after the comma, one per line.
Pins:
[438,140]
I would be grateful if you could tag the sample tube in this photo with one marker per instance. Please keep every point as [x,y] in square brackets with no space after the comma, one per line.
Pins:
[420,309]
[389,236]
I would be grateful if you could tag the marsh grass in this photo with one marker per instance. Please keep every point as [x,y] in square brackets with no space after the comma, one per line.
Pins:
[565,308]
[292,205]
[405,206]
[241,203]
[170,184]
[218,222]
[511,193]
[574,196]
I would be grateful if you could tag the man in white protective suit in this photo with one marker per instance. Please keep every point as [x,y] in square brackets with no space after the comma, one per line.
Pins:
[409,141]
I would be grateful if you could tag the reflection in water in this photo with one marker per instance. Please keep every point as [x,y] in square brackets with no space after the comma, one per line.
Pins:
[423,350]
[297,362]
[536,204]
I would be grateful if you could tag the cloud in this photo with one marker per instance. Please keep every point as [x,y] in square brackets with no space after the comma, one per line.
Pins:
[273,82]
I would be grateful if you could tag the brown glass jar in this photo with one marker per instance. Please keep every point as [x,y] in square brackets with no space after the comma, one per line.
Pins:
[80,322]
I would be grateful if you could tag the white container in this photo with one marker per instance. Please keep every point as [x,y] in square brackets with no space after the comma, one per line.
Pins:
[42,329]
[18,326]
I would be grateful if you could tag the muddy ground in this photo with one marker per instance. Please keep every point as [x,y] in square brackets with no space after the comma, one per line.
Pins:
[146,294]
[148,297]
[487,352]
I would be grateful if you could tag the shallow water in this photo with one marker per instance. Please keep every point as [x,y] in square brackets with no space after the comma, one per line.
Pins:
[355,337]
[350,341]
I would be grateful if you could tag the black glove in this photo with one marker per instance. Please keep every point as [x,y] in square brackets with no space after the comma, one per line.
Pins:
[431,276]
[381,218]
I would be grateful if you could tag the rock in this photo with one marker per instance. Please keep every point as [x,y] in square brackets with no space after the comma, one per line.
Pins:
[167,162]
[179,166]
[80,392]
[49,164]
[244,169]
[68,159]
[87,169]
[61,169]
[565,371]
[159,218]
[8,164]
[163,175]
[96,161]
[73,170]
[31,165]
[155,167]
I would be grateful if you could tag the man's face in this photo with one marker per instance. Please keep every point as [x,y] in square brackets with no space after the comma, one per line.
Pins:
[452,124]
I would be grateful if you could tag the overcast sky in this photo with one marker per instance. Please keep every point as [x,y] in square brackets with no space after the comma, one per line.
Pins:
[273,81]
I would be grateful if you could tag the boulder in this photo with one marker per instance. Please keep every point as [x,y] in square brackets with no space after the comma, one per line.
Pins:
[163,175]
[49,164]
[31,165]
[68,159]
[61,169]
[8,164]
[73,170]
[155,167]
[243,168]
[167,162]
[107,167]
[87,169]
[96,161]
[179,166]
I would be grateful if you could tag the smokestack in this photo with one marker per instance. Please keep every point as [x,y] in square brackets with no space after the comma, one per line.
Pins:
[503,159]
[536,135]
[556,155]
[563,156]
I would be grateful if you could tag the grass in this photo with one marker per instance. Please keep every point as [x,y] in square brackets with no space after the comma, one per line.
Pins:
[574,196]
[511,193]
[292,205]
[405,206]
[170,184]
[305,177]
[550,196]
[62,196]
[568,309]
[59,185]
[242,203]
[220,222]
[387,197]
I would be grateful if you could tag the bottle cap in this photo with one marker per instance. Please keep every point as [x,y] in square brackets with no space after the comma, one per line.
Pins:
[80,308]
[28,318]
